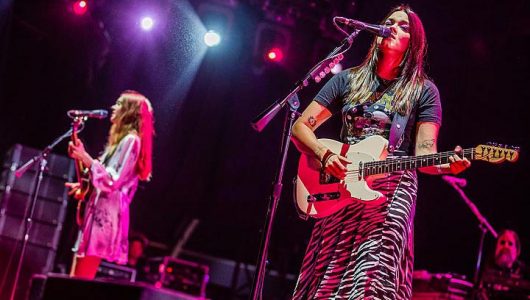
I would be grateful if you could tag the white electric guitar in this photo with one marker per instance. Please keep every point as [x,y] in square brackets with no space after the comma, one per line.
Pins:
[319,194]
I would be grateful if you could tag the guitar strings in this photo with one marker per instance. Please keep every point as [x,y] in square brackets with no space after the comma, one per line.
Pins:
[395,162]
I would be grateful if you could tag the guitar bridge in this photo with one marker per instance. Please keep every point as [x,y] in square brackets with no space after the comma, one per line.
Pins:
[323,197]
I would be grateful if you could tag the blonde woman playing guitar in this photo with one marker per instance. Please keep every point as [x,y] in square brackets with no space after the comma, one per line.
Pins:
[114,178]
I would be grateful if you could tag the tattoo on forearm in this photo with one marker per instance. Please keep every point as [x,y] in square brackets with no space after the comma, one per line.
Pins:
[428,144]
[312,121]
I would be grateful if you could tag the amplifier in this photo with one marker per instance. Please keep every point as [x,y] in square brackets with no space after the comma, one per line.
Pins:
[177,274]
[114,271]
[426,285]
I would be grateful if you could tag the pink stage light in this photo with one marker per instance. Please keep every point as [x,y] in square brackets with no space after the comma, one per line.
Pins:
[80,7]
[275,55]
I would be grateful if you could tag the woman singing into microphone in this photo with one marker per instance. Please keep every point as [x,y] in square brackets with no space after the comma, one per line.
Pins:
[114,177]
[365,251]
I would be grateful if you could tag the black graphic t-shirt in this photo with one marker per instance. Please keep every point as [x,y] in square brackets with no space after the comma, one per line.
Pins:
[374,117]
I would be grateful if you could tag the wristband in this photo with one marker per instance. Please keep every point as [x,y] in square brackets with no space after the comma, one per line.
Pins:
[326,156]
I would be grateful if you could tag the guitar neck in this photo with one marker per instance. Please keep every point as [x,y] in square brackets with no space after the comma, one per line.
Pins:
[79,167]
[413,162]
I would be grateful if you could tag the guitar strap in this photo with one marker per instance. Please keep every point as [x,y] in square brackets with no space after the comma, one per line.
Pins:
[399,122]
[397,129]
[344,149]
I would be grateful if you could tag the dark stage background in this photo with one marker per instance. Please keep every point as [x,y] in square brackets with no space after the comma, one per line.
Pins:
[210,164]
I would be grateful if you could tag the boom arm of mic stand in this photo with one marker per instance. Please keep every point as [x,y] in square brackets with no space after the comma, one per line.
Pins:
[337,52]
[483,226]
[270,112]
[22,169]
[483,221]
[261,121]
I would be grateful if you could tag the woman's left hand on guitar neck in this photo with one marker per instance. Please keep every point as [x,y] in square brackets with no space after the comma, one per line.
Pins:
[458,163]
[78,152]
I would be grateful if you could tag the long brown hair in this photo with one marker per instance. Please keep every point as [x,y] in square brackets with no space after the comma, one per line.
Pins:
[409,84]
[136,116]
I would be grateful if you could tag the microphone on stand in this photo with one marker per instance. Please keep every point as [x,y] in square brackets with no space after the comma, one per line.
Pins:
[379,30]
[96,114]
[461,182]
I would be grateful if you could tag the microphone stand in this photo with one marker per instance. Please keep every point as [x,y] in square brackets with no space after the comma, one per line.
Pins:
[484,227]
[41,158]
[319,71]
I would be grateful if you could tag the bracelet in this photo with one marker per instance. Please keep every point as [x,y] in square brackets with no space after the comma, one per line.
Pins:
[326,157]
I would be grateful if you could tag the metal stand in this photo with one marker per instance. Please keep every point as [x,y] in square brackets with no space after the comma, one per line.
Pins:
[259,276]
[484,227]
[42,160]
[318,72]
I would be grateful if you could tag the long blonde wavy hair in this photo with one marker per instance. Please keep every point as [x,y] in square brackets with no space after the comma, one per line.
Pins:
[135,116]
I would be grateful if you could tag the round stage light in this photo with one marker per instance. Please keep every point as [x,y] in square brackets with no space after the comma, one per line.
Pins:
[147,23]
[212,38]
[80,7]
[275,55]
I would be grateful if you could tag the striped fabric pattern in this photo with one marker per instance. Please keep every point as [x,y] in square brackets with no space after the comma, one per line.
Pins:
[364,251]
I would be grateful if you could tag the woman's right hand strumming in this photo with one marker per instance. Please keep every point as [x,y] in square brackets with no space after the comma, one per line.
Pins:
[306,141]
[335,165]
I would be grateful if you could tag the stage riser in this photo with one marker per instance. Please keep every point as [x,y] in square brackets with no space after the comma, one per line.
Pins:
[60,287]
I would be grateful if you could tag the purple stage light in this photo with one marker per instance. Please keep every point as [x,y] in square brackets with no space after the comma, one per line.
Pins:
[147,23]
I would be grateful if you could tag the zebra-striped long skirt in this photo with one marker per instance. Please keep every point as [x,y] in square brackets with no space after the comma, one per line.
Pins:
[364,251]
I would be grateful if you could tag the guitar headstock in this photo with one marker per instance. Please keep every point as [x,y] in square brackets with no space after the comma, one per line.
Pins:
[496,153]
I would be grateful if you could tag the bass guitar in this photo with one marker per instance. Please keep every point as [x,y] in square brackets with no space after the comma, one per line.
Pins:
[318,194]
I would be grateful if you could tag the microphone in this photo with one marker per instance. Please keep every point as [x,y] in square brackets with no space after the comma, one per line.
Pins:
[378,30]
[96,114]
[461,182]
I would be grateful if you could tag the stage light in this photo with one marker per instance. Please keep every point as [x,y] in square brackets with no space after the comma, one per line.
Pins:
[212,38]
[275,54]
[147,23]
[80,7]
[271,47]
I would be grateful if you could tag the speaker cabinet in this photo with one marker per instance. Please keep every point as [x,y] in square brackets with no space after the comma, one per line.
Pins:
[16,196]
